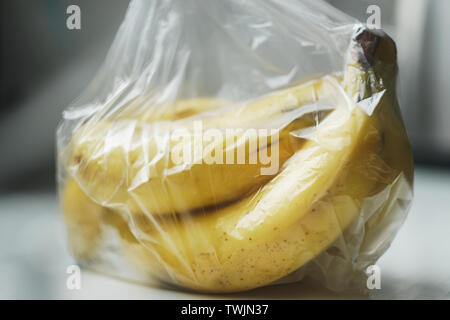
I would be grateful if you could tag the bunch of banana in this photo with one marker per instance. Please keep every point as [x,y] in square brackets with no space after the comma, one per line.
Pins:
[83,216]
[104,172]
[129,161]
[255,231]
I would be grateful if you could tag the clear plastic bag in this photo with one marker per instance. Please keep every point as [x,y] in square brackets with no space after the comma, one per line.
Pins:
[228,145]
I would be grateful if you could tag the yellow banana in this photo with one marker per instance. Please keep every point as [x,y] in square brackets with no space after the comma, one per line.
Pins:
[302,210]
[140,110]
[129,162]
[83,221]
[83,217]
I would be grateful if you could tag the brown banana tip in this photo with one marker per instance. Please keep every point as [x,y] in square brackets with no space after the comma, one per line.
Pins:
[368,45]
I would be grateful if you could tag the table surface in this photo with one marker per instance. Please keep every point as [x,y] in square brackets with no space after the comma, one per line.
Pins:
[34,255]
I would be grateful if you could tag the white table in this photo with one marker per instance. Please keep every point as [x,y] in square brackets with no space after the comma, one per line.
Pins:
[34,255]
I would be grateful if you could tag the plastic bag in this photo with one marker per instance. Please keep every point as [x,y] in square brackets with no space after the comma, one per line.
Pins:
[228,145]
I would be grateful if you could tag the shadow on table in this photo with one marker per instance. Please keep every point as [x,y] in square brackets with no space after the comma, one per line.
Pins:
[306,289]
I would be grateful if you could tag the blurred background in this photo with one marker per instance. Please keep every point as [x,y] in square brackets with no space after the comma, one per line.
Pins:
[44,66]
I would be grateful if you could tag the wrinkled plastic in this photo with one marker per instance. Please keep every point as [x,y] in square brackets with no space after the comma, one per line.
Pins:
[314,178]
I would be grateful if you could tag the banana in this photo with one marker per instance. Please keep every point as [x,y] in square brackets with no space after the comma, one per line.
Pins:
[181,109]
[129,161]
[83,219]
[302,210]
